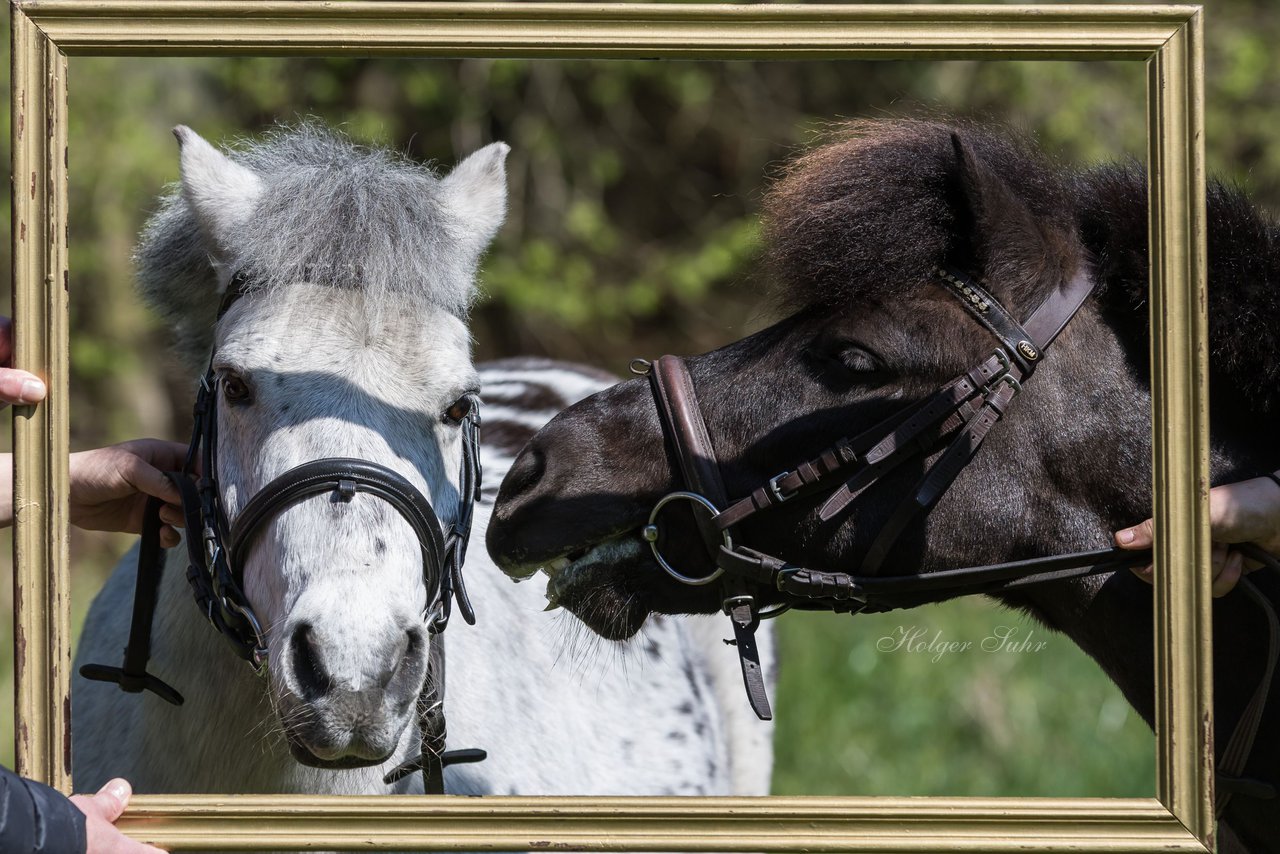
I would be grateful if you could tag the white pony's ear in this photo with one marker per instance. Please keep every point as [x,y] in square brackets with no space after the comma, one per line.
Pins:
[476,190]
[221,193]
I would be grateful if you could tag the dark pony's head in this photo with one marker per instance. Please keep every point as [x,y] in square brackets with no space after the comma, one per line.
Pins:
[854,232]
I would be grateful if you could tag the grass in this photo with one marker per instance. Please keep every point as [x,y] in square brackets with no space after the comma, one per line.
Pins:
[861,713]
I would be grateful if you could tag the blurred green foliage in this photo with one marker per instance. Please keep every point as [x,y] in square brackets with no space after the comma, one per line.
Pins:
[633,231]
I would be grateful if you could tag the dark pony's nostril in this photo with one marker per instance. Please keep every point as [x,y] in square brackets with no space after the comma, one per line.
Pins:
[527,470]
[313,680]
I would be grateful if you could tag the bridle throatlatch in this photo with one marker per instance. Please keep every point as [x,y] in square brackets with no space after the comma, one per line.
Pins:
[217,552]
[951,423]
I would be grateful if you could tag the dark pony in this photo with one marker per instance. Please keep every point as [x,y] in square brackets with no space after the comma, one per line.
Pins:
[854,232]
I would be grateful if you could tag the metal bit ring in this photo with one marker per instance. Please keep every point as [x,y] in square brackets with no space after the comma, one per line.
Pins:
[650,535]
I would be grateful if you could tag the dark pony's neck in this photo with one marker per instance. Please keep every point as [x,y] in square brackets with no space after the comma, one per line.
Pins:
[1244,294]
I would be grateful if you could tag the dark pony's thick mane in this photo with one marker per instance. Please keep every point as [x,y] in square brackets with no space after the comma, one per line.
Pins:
[871,213]
[1244,280]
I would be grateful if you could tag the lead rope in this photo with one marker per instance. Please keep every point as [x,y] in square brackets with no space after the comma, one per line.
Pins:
[133,677]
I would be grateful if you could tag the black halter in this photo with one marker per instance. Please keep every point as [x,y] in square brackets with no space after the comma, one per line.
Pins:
[217,551]
[952,422]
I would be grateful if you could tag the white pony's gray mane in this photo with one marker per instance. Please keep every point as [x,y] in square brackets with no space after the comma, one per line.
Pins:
[330,212]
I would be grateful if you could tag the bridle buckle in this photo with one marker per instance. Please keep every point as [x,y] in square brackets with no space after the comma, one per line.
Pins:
[1005,375]
[1012,383]
[778,495]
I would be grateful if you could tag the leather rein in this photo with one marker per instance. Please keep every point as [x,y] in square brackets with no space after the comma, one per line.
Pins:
[217,552]
[952,423]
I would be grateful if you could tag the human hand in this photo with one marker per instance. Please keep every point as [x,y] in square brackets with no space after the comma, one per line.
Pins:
[18,387]
[1244,512]
[100,812]
[109,487]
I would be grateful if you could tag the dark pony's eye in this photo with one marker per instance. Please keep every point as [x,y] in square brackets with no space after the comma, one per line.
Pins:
[235,389]
[858,361]
[845,356]
[459,409]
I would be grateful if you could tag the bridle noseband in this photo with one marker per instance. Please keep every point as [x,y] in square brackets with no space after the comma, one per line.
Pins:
[951,423]
[217,553]
[953,420]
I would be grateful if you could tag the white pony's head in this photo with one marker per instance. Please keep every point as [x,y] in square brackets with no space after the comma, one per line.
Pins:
[350,341]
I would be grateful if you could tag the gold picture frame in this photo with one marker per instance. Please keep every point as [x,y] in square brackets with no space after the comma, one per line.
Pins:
[1167,38]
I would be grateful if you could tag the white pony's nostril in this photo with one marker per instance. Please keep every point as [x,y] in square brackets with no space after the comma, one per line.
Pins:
[312,679]
[396,659]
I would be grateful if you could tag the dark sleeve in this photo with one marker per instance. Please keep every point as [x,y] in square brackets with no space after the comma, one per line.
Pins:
[35,819]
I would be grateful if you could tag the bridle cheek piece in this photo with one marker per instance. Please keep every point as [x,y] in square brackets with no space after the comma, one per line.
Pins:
[217,553]
[953,420]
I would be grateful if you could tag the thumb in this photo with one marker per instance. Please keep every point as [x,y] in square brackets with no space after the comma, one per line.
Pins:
[112,798]
[1137,537]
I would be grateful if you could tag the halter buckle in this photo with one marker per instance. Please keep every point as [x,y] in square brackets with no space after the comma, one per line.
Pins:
[778,495]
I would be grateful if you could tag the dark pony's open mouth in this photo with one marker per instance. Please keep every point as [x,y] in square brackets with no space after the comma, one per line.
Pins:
[592,583]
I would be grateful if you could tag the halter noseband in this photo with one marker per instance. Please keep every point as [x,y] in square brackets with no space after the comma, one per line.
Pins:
[217,553]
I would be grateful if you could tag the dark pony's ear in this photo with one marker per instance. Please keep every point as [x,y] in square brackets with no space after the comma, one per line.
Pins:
[997,236]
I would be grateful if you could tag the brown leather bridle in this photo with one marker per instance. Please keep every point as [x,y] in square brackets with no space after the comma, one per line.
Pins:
[952,423]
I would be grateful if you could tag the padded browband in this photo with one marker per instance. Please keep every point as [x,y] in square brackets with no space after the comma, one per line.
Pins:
[1025,343]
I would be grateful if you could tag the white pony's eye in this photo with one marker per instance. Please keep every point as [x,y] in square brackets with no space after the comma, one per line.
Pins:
[235,389]
[459,409]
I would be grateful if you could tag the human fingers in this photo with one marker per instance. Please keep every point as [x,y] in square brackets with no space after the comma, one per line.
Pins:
[163,454]
[1146,573]
[172,515]
[1232,568]
[1137,537]
[111,799]
[101,811]
[1246,512]
[169,537]
[1217,558]
[20,387]
[145,477]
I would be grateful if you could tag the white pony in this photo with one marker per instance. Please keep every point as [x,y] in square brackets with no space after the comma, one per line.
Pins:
[351,341]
